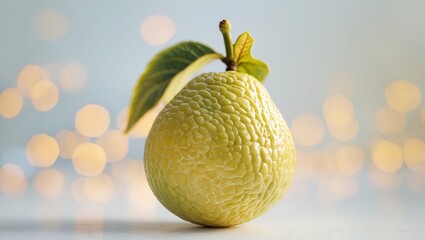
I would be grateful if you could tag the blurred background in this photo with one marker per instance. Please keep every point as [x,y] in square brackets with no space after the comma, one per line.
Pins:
[348,76]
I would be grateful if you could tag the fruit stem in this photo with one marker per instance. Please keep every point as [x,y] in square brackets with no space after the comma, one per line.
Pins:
[229,60]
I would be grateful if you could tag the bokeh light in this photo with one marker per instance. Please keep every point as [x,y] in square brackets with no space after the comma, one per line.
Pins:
[44,96]
[142,127]
[68,141]
[122,119]
[307,129]
[387,156]
[88,159]
[12,180]
[92,120]
[11,102]
[17,155]
[29,76]
[349,159]
[338,110]
[50,25]
[128,171]
[402,95]
[414,154]
[157,30]
[72,77]
[383,180]
[99,189]
[389,121]
[49,183]
[345,133]
[131,173]
[423,115]
[324,164]
[304,166]
[42,150]
[141,198]
[115,145]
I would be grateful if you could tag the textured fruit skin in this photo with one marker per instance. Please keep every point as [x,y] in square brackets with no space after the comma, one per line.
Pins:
[220,153]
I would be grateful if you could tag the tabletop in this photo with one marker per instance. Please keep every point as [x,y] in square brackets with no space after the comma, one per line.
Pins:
[67,229]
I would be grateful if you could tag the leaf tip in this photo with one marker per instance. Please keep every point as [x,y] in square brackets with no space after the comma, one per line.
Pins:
[128,128]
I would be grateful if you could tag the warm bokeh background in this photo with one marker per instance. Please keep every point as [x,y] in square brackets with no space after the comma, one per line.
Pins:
[349,78]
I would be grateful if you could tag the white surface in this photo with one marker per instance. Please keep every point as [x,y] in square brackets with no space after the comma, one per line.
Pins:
[367,216]
[182,230]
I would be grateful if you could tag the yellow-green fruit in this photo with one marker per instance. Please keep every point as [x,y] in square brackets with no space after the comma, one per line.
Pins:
[220,153]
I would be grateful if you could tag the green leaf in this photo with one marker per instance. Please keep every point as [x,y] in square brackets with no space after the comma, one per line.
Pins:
[166,74]
[245,62]
[181,79]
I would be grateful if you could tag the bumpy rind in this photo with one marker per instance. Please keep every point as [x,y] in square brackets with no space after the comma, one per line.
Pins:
[220,153]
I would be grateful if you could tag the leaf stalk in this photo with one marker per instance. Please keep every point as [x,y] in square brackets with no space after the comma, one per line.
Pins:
[229,60]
